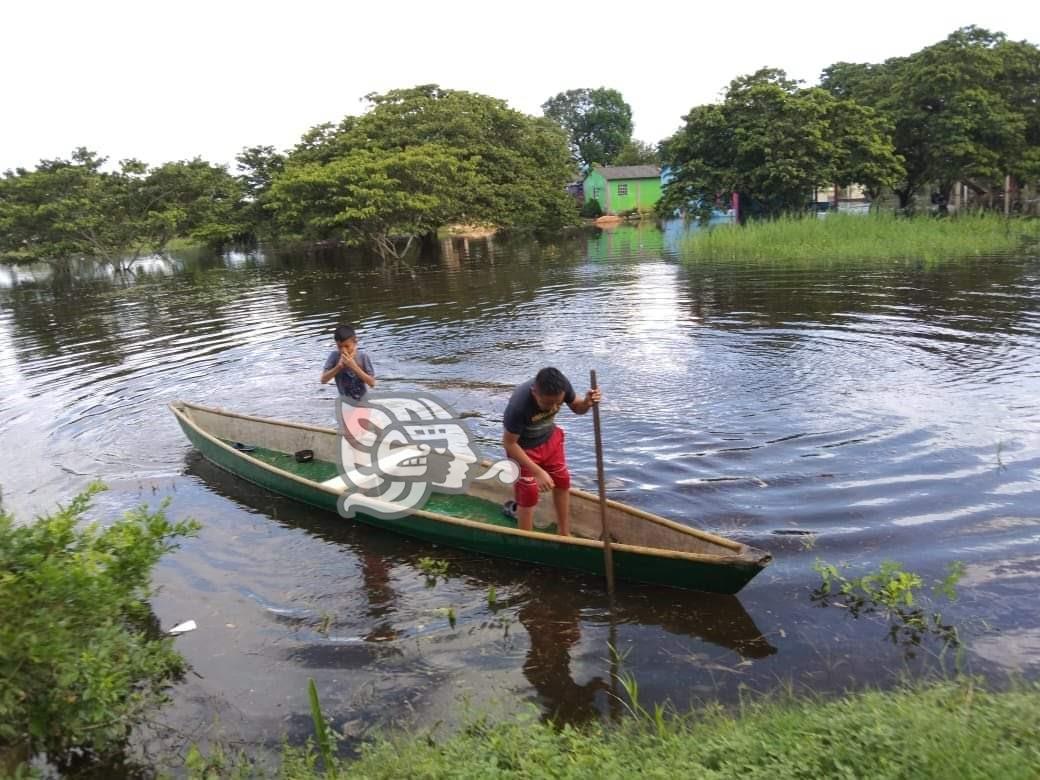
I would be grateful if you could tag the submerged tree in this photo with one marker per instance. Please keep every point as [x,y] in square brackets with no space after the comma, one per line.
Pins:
[598,123]
[369,197]
[773,143]
[71,209]
[418,159]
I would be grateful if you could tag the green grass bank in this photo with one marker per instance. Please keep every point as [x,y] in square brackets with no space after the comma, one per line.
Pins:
[873,237]
[945,730]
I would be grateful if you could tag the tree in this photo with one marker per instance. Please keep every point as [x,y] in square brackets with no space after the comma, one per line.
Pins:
[962,109]
[195,200]
[774,142]
[258,166]
[369,197]
[480,161]
[637,153]
[69,209]
[598,122]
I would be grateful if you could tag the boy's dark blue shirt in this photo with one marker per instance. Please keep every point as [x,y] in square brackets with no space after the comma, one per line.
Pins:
[524,418]
[347,381]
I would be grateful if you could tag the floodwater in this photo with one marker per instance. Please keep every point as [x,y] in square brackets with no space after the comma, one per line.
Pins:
[852,413]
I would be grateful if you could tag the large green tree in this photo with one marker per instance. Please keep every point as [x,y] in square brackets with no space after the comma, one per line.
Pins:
[434,156]
[370,197]
[598,123]
[774,142]
[193,199]
[637,152]
[71,209]
[258,166]
[962,109]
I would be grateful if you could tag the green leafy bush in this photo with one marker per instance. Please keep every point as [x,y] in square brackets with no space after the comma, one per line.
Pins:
[591,209]
[80,655]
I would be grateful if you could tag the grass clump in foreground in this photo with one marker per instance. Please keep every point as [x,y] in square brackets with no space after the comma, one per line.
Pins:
[862,237]
[941,730]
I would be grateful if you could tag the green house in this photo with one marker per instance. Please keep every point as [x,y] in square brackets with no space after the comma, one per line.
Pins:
[620,188]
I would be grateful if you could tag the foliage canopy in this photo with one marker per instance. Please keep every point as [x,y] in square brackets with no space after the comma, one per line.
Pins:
[598,123]
[421,158]
[774,142]
[70,209]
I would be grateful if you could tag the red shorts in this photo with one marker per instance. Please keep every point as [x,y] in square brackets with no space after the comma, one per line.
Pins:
[549,456]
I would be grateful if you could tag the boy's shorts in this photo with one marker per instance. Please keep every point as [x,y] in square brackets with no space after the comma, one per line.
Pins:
[550,456]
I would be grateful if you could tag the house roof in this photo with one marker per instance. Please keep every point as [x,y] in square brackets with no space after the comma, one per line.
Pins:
[609,172]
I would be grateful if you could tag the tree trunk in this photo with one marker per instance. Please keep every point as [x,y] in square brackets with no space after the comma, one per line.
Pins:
[906,197]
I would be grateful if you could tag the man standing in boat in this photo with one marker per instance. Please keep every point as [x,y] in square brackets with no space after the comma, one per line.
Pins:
[535,442]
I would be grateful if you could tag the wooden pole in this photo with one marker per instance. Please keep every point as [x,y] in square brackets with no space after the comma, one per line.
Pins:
[608,553]
[1007,195]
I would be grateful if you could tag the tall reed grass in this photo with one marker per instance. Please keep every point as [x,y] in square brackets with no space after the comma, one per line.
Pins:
[874,237]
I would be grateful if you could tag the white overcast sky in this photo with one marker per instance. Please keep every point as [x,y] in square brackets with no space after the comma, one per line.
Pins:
[172,80]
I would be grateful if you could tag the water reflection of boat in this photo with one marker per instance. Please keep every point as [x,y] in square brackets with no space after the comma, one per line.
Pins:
[553,612]
[554,627]
[647,549]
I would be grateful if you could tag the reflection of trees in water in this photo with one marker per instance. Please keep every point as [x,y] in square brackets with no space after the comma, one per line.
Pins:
[453,281]
[460,280]
[105,321]
[958,291]
[65,316]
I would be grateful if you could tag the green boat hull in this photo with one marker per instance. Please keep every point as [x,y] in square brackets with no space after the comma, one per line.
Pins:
[636,564]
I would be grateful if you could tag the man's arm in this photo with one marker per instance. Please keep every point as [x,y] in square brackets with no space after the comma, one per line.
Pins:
[582,405]
[511,442]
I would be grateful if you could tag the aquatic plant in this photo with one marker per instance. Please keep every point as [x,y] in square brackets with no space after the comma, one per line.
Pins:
[858,238]
[433,567]
[896,594]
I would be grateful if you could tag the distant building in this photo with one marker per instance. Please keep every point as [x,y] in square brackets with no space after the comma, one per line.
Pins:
[621,188]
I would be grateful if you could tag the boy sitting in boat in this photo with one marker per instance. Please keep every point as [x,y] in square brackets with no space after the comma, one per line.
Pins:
[351,367]
[533,440]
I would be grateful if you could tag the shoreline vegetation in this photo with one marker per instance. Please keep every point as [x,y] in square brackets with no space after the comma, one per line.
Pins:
[955,125]
[79,585]
[85,661]
[873,237]
[942,729]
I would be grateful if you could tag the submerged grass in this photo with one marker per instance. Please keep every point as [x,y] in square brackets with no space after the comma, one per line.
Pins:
[942,730]
[863,237]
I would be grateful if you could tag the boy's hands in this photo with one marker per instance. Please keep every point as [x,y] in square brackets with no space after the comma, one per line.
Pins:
[593,397]
[346,360]
[545,482]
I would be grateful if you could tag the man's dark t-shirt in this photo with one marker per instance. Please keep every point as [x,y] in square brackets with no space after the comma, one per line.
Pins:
[349,383]
[524,418]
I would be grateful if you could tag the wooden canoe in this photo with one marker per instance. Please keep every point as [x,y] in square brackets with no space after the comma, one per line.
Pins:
[646,548]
